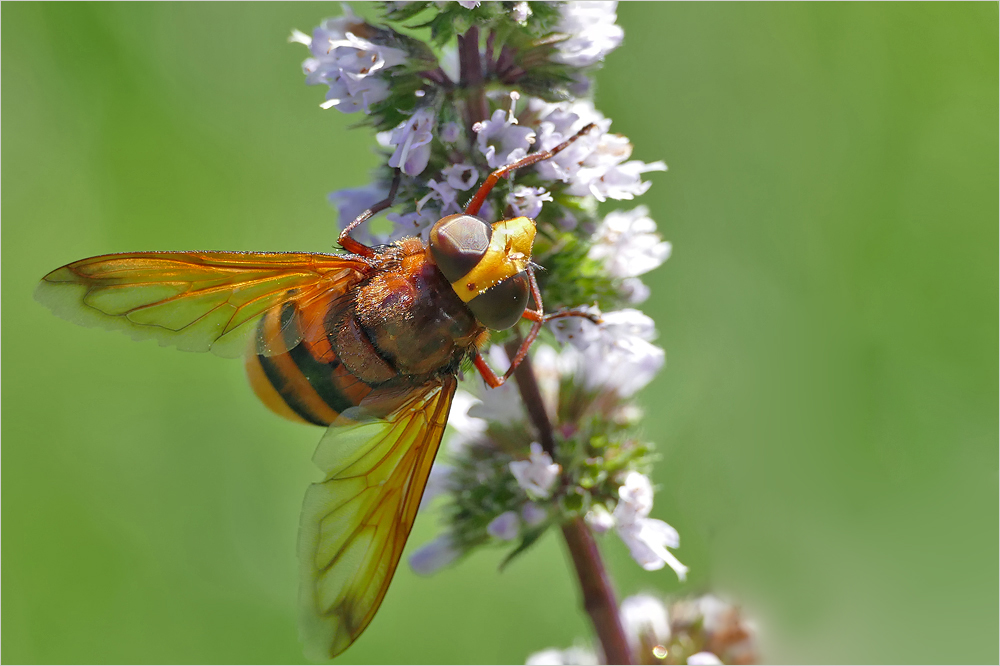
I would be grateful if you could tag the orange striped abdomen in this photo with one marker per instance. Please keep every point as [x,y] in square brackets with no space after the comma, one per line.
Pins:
[301,377]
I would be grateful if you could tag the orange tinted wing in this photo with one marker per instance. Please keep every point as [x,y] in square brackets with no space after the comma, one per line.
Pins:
[195,301]
[354,525]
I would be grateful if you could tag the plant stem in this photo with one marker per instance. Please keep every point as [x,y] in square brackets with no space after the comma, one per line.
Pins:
[471,79]
[595,585]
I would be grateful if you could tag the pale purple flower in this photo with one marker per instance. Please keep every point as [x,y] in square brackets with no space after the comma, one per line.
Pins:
[599,519]
[469,4]
[557,123]
[501,141]
[451,132]
[592,32]
[417,223]
[533,514]
[527,201]
[461,176]
[412,139]
[352,202]
[647,538]
[703,659]
[627,243]
[505,527]
[538,474]
[442,192]
[349,65]
[434,555]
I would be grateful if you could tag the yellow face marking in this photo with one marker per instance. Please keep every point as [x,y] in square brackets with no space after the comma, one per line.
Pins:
[507,255]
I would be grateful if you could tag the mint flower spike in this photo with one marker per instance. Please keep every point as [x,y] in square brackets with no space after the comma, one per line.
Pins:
[476,87]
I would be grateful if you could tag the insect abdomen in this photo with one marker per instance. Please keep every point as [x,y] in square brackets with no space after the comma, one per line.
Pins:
[304,380]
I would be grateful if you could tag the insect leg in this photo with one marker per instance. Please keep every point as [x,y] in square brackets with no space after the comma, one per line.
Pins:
[486,371]
[484,190]
[356,247]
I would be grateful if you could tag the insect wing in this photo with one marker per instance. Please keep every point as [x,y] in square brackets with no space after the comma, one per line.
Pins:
[354,525]
[195,301]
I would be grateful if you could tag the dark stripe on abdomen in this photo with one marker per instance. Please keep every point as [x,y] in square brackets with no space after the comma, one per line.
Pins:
[308,377]
[296,402]
[320,377]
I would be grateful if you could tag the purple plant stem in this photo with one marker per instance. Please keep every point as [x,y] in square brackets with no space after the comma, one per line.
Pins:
[598,596]
[471,80]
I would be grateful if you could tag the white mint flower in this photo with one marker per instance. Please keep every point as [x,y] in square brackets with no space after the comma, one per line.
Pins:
[627,243]
[461,176]
[505,527]
[557,657]
[412,139]
[599,519]
[501,141]
[527,201]
[578,331]
[647,538]
[606,175]
[646,622]
[469,4]
[625,368]
[349,65]
[703,659]
[434,556]
[592,32]
[595,164]
[520,12]
[712,610]
[634,291]
[615,355]
[538,474]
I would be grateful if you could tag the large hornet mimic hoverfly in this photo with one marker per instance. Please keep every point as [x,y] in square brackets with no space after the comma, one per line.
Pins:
[367,344]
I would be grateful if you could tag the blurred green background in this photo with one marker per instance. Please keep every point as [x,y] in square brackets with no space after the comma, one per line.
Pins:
[828,414]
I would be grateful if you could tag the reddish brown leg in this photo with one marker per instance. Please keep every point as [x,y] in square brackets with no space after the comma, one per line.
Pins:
[538,317]
[486,371]
[484,190]
[357,247]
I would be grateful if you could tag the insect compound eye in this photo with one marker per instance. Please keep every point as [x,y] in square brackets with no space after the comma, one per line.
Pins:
[458,243]
[502,305]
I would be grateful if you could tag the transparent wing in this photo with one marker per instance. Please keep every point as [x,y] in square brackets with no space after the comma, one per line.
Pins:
[376,458]
[195,301]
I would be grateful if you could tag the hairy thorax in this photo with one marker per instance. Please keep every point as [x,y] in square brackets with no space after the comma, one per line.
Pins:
[406,320]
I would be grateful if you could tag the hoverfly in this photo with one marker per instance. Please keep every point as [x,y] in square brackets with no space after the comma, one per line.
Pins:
[367,344]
